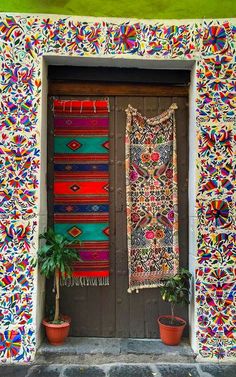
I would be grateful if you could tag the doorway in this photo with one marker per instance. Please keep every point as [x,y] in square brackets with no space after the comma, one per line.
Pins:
[111,311]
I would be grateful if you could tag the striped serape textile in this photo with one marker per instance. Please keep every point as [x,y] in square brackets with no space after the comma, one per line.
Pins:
[81,185]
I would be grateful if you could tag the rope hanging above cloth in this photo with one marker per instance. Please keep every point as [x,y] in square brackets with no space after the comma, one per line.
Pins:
[152,198]
[81,185]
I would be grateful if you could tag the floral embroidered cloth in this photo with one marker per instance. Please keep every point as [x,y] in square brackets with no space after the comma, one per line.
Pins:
[152,206]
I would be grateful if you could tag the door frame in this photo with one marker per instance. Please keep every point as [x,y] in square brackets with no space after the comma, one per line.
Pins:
[86,88]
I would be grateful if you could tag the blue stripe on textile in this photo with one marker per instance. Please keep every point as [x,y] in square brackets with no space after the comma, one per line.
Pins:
[86,208]
[81,167]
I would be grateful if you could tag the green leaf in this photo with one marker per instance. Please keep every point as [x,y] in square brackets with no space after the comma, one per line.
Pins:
[176,288]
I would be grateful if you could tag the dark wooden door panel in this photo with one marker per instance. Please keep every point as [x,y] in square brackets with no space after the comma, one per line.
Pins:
[111,311]
[141,309]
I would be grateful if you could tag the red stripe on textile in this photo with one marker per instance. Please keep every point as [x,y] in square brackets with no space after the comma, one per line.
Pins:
[93,200]
[77,112]
[91,262]
[97,251]
[92,123]
[82,132]
[65,217]
[89,174]
[92,245]
[89,255]
[81,107]
[89,217]
[83,157]
[91,273]
[74,179]
[80,188]
[90,268]
[98,264]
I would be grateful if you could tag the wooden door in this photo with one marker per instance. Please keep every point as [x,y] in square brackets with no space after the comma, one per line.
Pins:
[111,311]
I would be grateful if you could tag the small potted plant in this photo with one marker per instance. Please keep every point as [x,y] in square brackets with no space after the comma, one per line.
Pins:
[55,258]
[175,291]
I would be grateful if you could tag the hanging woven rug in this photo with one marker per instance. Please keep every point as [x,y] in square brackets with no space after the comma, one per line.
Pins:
[81,193]
[151,190]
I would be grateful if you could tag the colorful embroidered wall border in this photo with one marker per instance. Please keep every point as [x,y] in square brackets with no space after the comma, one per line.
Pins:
[151,198]
[81,196]
[25,41]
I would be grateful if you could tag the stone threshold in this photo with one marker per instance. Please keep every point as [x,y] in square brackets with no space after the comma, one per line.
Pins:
[95,351]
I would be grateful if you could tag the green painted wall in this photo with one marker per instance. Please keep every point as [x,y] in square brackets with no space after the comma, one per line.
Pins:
[160,9]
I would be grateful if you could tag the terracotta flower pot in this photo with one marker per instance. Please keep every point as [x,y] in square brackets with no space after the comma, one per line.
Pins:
[171,334]
[56,333]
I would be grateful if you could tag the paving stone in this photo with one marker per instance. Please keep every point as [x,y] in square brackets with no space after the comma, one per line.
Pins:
[222,370]
[154,346]
[14,370]
[44,371]
[130,371]
[178,371]
[77,345]
[79,371]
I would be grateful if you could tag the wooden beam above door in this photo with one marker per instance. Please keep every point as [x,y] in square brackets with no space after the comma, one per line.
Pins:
[88,88]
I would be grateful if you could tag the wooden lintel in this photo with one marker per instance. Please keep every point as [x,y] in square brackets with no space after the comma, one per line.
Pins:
[83,88]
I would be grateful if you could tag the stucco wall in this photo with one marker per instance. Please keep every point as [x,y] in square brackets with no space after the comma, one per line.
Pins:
[25,43]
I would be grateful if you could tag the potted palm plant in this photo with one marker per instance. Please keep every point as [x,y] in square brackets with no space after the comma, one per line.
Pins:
[175,291]
[55,258]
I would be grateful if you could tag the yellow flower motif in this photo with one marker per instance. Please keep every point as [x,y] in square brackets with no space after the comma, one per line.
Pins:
[145,157]
[167,192]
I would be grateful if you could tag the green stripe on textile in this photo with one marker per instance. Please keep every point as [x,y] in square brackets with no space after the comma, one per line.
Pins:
[90,232]
[88,145]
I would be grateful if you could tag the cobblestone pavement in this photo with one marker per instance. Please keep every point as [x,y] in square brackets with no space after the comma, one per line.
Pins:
[120,370]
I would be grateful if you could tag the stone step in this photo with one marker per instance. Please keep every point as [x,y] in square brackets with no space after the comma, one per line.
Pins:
[109,350]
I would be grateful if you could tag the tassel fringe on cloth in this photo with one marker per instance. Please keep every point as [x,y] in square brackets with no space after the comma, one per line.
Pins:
[81,180]
[152,198]
[84,282]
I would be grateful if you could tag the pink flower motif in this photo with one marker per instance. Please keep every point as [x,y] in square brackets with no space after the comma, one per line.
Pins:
[169,173]
[135,217]
[171,215]
[149,235]
[133,176]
